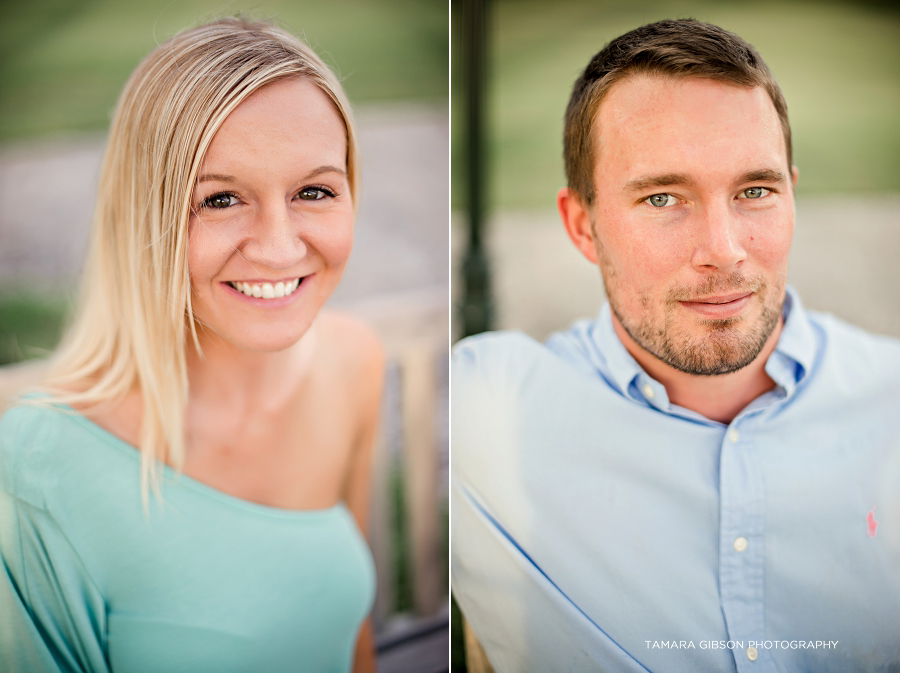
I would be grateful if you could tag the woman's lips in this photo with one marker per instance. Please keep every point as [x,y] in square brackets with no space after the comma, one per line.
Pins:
[719,307]
[266,289]
[268,302]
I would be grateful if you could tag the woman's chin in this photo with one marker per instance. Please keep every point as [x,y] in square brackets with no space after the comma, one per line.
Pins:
[269,346]
[255,341]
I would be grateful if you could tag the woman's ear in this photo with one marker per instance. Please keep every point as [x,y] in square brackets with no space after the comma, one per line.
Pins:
[576,217]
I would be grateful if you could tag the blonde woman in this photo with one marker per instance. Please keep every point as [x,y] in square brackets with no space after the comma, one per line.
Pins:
[188,492]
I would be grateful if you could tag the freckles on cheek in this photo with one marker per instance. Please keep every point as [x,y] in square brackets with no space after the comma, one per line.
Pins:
[204,263]
[771,250]
[337,248]
[654,258]
[195,251]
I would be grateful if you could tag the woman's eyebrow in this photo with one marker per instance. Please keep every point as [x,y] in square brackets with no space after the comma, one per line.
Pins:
[220,177]
[325,169]
[217,177]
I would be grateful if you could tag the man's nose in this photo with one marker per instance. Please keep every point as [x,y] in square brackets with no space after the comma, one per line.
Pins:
[717,244]
[276,239]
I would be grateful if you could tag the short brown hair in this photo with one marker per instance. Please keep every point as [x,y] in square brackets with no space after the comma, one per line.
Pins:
[674,48]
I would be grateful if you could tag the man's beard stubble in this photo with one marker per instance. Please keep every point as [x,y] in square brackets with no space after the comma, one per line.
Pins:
[725,348]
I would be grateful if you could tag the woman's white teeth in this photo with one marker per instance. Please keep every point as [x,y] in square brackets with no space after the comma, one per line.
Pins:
[266,290]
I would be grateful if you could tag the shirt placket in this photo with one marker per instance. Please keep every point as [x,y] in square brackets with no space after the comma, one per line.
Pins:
[742,545]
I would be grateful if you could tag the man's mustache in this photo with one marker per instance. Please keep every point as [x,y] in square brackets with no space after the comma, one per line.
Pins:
[732,283]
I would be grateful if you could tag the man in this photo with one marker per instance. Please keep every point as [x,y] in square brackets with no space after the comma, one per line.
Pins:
[707,476]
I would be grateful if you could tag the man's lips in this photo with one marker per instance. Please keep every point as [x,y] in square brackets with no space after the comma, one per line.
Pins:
[721,299]
[719,307]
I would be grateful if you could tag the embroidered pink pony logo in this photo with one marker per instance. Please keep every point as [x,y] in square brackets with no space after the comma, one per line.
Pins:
[871,523]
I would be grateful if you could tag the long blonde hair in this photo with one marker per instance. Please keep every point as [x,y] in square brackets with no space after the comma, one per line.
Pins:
[131,325]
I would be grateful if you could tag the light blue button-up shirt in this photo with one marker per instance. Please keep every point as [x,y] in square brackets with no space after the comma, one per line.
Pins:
[598,527]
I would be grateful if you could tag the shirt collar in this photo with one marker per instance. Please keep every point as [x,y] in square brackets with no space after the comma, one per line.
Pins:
[795,352]
[594,347]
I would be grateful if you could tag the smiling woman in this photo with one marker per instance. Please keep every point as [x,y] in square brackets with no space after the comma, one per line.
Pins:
[201,366]
[274,168]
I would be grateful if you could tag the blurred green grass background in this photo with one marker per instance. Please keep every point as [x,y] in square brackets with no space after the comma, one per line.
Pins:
[30,325]
[64,62]
[838,64]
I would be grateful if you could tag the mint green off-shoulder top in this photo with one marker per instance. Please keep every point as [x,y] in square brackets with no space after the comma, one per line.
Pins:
[202,582]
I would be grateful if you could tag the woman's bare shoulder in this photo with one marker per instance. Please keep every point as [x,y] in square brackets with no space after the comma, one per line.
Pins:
[120,416]
[353,342]
[356,362]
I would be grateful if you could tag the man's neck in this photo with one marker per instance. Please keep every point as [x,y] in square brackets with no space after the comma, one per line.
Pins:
[719,398]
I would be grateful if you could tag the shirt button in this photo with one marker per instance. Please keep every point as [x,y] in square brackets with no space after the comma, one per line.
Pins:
[740,544]
[648,391]
[752,653]
[734,435]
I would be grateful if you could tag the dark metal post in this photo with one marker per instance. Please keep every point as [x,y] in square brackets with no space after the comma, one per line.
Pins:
[477,309]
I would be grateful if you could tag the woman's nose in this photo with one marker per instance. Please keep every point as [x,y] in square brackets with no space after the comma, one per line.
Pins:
[276,240]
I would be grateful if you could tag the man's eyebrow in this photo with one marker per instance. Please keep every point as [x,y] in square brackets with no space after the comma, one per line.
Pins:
[220,177]
[762,175]
[667,180]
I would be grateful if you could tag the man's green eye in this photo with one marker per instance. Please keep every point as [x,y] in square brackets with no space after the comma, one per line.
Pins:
[660,200]
[754,192]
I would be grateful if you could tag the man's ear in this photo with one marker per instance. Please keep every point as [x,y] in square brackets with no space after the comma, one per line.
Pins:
[577,220]
[794,175]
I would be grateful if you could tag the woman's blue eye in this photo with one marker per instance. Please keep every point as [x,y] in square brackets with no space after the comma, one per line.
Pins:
[754,193]
[661,200]
[219,201]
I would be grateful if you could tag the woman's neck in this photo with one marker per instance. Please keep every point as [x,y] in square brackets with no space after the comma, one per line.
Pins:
[236,379]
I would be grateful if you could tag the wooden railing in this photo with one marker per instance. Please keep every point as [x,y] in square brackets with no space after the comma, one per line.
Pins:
[414,329]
